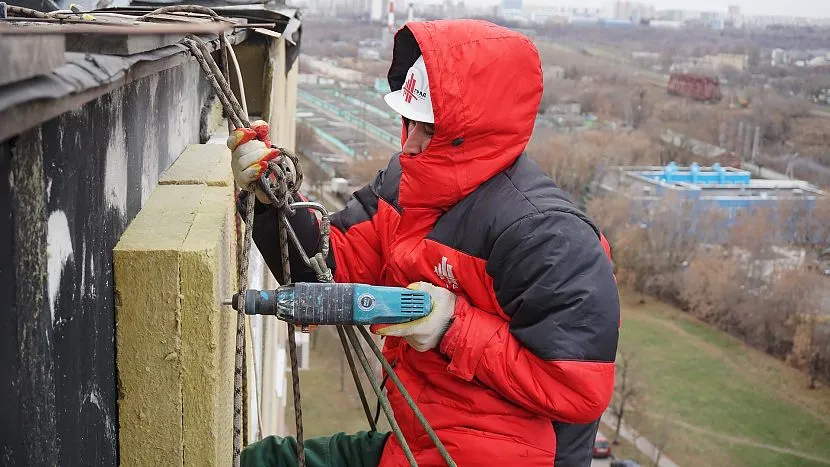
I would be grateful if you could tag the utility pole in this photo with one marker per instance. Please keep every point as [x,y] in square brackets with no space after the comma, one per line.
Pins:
[756,146]
[739,141]
[391,21]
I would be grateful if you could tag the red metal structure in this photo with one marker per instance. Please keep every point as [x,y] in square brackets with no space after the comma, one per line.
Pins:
[696,86]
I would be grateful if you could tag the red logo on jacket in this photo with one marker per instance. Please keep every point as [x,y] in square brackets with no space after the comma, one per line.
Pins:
[444,272]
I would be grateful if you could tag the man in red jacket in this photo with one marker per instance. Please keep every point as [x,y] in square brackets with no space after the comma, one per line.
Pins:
[515,364]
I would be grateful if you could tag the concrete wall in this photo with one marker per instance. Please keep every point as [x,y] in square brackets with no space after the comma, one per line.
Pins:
[68,189]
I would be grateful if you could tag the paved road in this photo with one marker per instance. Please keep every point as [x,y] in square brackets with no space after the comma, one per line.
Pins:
[642,444]
[601,462]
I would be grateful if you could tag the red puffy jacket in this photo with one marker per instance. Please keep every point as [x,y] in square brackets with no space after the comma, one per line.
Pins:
[530,354]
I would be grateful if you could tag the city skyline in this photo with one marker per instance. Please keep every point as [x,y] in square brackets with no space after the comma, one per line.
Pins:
[802,8]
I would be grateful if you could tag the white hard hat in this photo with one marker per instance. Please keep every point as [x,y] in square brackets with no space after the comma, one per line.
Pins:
[413,101]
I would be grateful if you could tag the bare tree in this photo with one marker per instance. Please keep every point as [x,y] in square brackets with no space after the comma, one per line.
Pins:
[652,255]
[667,58]
[612,214]
[730,73]
[363,170]
[708,289]
[806,343]
[755,234]
[635,420]
[776,115]
[820,365]
[305,136]
[785,302]
[628,390]
[573,161]
[820,222]
[753,57]
[805,353]
[661,441]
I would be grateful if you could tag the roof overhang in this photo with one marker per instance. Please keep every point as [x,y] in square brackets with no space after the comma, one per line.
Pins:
[68,61]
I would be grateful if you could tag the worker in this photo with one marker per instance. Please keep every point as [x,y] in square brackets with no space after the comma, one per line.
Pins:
[515,363]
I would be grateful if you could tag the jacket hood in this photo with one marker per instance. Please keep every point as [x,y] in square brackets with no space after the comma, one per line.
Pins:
[486,85]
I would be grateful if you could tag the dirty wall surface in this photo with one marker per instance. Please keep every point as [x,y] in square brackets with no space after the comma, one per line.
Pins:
[68,190]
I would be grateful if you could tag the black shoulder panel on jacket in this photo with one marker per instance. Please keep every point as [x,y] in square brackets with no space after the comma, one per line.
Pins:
[574,444]
[549,270]
[552,277]
[473,224]
[363,204]
[391,185]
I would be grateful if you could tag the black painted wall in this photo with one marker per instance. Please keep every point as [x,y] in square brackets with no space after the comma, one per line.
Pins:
[68,190]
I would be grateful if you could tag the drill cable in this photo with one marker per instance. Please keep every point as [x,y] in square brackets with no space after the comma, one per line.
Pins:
[384,401]
[363,401]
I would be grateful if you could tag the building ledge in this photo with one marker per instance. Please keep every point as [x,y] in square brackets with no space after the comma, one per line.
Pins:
[83,75]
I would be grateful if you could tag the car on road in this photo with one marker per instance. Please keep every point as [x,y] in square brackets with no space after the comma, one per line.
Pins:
[602,448]
[624,463]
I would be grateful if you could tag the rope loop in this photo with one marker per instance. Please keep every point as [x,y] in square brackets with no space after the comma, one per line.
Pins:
[277,187]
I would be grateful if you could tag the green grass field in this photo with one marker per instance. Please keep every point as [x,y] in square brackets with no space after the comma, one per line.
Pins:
[723,403]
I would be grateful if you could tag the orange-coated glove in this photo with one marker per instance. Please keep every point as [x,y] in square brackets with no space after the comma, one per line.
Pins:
[424,333]
[250,152]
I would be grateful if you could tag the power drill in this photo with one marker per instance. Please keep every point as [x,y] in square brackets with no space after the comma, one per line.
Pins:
[320,303]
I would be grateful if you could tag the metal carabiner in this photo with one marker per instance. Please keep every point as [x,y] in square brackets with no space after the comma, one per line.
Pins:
[325,223]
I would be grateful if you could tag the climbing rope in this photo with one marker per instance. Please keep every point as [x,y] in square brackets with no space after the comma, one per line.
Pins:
[281,190]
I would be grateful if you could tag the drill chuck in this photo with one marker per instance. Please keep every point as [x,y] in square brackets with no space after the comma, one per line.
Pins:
[312,303]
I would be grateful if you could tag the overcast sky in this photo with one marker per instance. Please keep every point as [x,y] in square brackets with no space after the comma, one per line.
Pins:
[806,8]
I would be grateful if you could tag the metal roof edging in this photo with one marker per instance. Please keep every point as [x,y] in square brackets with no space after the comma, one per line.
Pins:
[22,116]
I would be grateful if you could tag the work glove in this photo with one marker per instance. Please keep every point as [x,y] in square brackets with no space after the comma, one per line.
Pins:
[424,333]
[250,152]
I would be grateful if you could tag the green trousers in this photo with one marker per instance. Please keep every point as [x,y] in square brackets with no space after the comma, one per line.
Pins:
[362,449]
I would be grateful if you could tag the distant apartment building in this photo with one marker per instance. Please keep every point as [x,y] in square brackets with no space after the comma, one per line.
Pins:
[733,16]
[780,57]
[368,53]
[547,13]
[764,21]
[738,61]
[671,15]
[664,24]
[707,17]
[512,10]
[376,10]
[632,11]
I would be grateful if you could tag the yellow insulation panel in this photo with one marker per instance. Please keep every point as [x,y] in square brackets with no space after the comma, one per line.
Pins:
[175,342]
[208,276]
[208,164]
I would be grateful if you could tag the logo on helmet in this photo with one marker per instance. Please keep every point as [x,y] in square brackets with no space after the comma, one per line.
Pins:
[410,91]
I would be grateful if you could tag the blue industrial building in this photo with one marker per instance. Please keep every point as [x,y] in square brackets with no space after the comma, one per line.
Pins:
[711,191]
